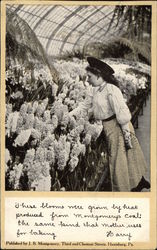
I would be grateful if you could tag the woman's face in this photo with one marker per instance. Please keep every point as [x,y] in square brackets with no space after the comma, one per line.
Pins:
[93,79]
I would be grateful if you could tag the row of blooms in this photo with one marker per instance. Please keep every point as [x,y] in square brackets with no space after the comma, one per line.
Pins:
[23,82]
[55,139]
[129,81]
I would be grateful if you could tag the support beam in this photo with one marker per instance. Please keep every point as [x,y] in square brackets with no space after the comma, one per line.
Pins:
[43,17]
[84,20]
[90,28]
[60,25]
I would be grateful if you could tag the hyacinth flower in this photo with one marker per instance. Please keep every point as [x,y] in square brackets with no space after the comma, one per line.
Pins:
[58,139]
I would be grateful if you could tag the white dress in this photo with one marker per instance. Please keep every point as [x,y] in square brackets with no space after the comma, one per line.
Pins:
[126,167]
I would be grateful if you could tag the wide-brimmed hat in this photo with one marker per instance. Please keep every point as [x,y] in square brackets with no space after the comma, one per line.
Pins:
[100,66]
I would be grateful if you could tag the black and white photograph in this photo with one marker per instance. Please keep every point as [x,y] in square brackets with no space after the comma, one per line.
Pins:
[78,97]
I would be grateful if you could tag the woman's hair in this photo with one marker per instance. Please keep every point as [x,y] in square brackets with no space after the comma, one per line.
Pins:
[108,78]
[93,71]
[111,79]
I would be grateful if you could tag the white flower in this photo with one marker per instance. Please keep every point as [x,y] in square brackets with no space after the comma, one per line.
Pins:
[8,110]
[14,121]
[87,139]
[40,109]
[81,122]
[62,160]
[75,133]
[18,172]
[20,124]
[12,177]
[78,149]
[23,109]
[93,129]
[43,183]
[45,102]
[34,171]
[41,154]
[62,189]
[48,141]
[62,151]
[35,134]
[38,124]
[45,169]
[65,119]
[17,95]
[62,96]
[72,122]
[50,155]
[7,156]
[9,124]
[67,101]
[22,138]
[73,163]
[47,117]
[54,89]
[65,89]
[54,121]
[29,121]
[29,108]
[35,106]
[29,158]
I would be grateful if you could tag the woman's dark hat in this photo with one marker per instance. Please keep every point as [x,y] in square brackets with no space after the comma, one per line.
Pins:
[99,65]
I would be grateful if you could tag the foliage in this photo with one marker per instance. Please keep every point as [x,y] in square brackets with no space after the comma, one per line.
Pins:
[70,55]
[23,46]
[137,19]
[45,140]
[124,47]
[46,148]
[134,43]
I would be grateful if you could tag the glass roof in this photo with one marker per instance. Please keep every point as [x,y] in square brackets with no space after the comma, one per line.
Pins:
[64,28]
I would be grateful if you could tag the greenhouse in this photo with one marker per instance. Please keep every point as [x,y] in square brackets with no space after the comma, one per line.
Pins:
[52,143]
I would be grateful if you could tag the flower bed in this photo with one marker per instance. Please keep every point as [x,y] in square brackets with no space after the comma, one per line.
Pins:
[46,148]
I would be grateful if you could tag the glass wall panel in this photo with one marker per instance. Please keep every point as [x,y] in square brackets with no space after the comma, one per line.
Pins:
[43,41]
[54,48]
[73,37]
[73,22]
[63,27]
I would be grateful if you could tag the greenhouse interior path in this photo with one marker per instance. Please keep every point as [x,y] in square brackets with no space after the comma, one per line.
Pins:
[143,133]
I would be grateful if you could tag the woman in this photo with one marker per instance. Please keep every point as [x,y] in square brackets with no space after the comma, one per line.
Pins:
[127,167]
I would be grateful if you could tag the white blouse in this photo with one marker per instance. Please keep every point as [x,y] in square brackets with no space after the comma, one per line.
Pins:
[105,101]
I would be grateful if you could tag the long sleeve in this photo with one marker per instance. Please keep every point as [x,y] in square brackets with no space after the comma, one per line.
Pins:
[118,105]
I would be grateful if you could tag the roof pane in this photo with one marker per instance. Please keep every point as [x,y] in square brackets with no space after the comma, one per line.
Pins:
[41,10]
[57,14]
[47,29]
[71,8]
[61,27]
[24,15]
[34,21]
[62,33]
[55,47]
[68,47]
[37,10]
[73,21]
[86,11]
[73,37]
[11,7]
[42,28]
[31,9]
[43,40]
